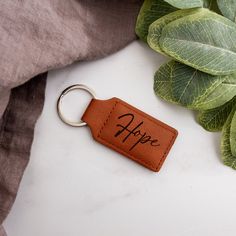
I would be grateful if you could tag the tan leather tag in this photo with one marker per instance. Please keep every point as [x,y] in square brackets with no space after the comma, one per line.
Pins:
[130,131]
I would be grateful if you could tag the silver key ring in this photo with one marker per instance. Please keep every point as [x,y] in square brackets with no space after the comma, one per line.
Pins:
[59,103]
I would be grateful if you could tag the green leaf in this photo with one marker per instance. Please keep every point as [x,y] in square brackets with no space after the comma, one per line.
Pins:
[183,4]
[233,135]
[205,41]
[156,27]
[213,120]
[218,96]
[151,10]
[226,154]
[181,84]
[163,82]
[212,5]
[228,8]
[191,85]
[208,3]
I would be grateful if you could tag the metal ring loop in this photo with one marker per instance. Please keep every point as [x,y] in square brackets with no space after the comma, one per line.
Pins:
[59,101]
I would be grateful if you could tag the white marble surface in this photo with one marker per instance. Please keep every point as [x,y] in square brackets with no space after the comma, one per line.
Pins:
[75,186]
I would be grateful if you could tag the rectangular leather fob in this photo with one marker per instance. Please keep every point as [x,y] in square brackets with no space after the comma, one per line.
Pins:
[130,131]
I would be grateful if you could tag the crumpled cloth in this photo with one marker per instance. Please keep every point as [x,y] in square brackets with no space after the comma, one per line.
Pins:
[37,36]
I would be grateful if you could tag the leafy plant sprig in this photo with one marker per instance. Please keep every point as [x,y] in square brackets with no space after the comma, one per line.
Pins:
[201,74]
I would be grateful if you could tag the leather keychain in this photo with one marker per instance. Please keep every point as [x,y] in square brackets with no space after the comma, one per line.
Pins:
[125,129]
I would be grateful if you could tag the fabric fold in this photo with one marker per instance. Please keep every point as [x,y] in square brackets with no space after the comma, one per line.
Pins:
[16,135]
[37,36]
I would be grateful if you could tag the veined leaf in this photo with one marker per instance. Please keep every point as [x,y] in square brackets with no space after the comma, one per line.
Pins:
[156,27]
[155,9]
[178,83]
[151,10]
[218,96]
[233,135]
[163,82]
[183,4]
[228,8]
[205,41]
[213,120]
[190,85]
[228,158]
